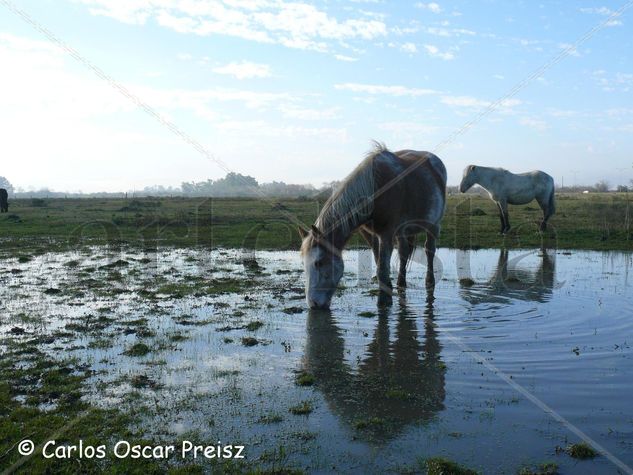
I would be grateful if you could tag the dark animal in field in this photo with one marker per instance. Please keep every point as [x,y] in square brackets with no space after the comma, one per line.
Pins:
[4,201]
[388,197]
[507,188]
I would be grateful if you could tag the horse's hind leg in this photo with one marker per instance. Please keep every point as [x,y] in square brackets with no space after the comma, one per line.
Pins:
[406,246]
[503,216]
[547,205]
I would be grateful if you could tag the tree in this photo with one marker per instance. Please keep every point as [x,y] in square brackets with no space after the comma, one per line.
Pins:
[4,183]
[602,186]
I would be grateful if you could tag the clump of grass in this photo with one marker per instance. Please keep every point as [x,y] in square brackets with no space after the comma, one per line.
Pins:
[115,264]
[250,341]
[397,394]
[443,466]
[581,451]
[270,419]
[292,310]
[175,337]
[466,282]
[228,340]
[546,468]
[23,259]
[137,349]
[304,379]
[302,409]
[368,423]
[367,314]
[140,381]
[252,326]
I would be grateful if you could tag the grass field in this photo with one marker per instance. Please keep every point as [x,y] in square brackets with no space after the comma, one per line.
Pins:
[594,221]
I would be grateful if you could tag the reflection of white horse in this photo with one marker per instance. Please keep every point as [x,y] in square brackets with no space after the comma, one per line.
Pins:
[507,188]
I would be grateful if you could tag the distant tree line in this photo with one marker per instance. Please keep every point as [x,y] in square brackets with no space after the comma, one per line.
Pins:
[232,185]
[237,185]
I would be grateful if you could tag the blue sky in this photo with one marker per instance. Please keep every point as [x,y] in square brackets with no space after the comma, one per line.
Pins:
[295,91]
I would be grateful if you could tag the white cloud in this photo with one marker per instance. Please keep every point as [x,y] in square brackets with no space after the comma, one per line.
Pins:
[408,128]
[569,48]
[294,112]
[600,11]
[435,52]
[342,57]
[409,48]
[449,32]
[374,89]
[432,7]
[605,11]
[292,24]
[473,102]
[244,70]
[536,124]
[262,128]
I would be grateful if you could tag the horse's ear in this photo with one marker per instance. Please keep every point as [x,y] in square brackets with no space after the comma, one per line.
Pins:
[302,232]
[471,168]
[316,231]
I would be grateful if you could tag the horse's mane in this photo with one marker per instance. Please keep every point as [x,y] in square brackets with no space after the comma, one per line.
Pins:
[353,201]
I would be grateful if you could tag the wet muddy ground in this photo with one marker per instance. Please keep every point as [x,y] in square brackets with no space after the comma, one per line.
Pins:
[513,356]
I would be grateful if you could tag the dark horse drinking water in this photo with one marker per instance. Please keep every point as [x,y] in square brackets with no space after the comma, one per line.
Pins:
[388,197]
[4,201]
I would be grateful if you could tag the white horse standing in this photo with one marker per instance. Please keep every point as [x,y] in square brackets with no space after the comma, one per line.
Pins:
[507,188]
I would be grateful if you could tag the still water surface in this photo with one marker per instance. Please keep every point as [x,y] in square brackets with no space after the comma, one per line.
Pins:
[468,373]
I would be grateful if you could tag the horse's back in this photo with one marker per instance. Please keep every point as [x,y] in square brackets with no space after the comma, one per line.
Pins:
[426,164]
[417,182]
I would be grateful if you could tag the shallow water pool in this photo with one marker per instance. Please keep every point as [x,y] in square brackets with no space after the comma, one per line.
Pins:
[515,356]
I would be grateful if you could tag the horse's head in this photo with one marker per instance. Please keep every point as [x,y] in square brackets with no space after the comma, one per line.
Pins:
[323,267]
[469,179]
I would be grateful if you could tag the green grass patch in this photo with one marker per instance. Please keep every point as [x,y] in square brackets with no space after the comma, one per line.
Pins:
[302,409]
[443,466]
[304,379]
[137,349]
[581,451]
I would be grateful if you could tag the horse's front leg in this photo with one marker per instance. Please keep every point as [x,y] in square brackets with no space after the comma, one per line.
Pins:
[373,242]
[384,279]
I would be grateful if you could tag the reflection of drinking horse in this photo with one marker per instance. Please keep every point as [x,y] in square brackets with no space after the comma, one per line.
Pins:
[508,281]
[399,382]
[389,196]
[507,188]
